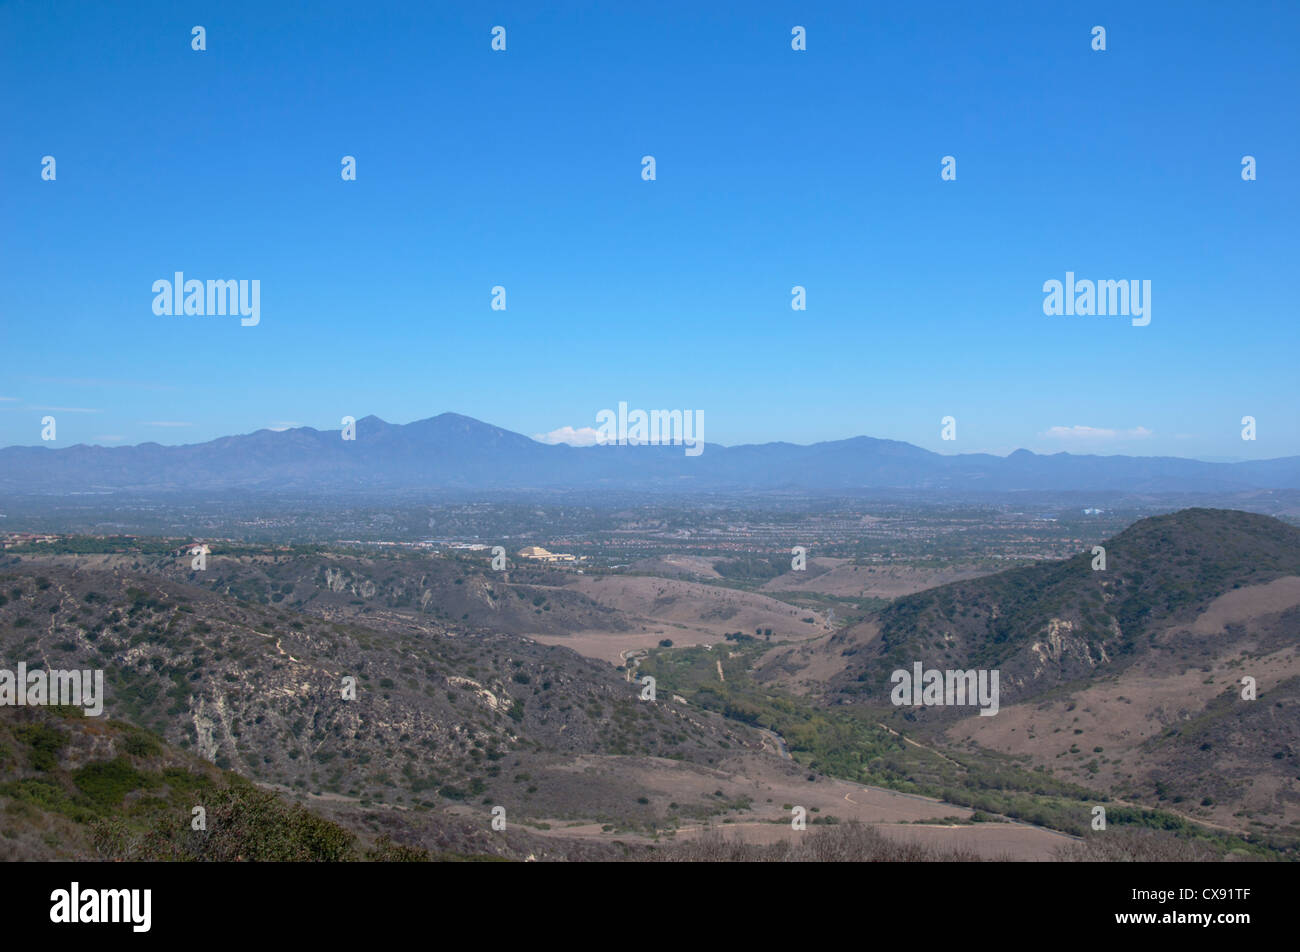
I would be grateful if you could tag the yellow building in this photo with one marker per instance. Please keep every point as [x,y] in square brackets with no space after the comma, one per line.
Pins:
[539,554]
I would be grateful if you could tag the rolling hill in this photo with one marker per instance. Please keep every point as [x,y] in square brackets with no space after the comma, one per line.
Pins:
[1127,679]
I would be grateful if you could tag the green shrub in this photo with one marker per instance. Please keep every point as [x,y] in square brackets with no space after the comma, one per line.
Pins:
[106,782]
[45,743]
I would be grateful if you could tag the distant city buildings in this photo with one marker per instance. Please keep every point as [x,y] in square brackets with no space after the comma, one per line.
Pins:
[10,539]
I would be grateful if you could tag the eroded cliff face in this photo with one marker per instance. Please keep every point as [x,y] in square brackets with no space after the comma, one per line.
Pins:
[1063,647]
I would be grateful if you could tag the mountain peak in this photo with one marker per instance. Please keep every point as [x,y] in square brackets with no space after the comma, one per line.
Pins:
[454,451]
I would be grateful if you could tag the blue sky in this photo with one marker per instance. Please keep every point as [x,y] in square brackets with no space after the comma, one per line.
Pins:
[775,168]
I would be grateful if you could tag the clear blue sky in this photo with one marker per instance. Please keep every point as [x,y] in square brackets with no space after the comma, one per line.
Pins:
[775,168]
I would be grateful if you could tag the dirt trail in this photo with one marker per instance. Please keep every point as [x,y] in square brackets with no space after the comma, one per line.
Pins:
[909,740]
[776,739]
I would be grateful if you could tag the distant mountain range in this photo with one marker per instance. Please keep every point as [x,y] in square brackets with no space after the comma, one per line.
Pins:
[455,452]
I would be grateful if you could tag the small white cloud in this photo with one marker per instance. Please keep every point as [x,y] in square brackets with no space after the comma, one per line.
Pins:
[583,436]
[281,427]
[166,423]
[1085,433]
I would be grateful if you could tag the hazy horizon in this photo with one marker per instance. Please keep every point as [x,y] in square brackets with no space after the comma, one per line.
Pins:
[1077,451]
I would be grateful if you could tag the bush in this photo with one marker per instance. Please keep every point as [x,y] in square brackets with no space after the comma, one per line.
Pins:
[140,745]
[105,783]
[386,851]
[45,743]
[243,824]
